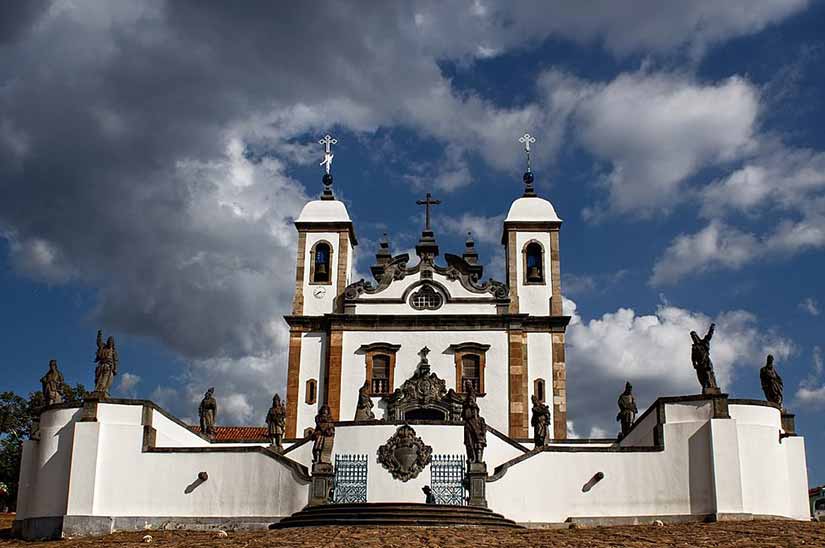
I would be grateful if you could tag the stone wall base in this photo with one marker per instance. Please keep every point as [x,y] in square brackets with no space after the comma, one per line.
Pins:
[84,526]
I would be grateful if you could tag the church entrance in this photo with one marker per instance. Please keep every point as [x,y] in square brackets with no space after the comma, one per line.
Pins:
[447,479]
[424,414]
[350,481]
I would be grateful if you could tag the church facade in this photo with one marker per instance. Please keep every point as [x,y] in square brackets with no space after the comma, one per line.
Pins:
[505,338]
[428,378]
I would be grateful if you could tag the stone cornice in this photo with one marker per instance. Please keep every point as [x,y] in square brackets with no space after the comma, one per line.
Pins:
[328,226]
[404,322]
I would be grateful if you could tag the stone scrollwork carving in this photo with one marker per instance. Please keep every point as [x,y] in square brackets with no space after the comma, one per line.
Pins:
[457,269]
[405,454]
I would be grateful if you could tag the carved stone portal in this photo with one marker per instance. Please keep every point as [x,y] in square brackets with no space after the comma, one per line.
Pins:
[424,396]
[405,455]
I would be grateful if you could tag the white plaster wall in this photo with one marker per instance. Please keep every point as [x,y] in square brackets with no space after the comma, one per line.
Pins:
[540,366]
[239,484]
[51,462]
[493,406]
[770,486]
[314,306]
[313,347]
[533,299]
[547,488]
[28,476]
[168,433]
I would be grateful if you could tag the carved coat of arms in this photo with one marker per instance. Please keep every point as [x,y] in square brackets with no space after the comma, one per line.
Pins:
[405,455]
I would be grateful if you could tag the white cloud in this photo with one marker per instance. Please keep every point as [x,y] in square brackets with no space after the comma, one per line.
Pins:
[484,229]
[811,391]
[655,130]
[714,247]
[127,383]
[164,202]
[810,305]
[652,352]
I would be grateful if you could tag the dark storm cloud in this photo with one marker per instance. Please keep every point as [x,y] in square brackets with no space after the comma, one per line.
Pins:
[124,128]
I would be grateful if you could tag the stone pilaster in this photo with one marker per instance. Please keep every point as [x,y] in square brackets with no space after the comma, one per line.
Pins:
[559,388]
[341,280]
[512,255]
[555,274]
[292,378]
[298,299]
[332,373]
[517,380]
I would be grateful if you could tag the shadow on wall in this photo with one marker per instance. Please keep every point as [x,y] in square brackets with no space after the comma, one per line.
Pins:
[699,465]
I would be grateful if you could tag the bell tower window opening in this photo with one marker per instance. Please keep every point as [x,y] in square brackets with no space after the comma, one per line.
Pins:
[426,298]
[320,266]
[380,383]
[533,263]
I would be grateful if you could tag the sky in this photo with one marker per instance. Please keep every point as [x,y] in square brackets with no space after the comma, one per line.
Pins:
[153,156]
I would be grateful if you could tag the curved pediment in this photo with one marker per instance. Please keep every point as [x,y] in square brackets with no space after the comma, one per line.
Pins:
[426,287]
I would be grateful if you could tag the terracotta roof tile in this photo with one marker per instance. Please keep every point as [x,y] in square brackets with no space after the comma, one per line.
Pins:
[237,433]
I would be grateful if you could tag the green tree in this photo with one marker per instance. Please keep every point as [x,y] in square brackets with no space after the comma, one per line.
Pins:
[17,420]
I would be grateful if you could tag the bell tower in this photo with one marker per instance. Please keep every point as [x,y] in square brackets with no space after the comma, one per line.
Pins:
[537,363]
[326,243]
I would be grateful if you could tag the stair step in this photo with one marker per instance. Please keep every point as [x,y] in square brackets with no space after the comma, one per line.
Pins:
[399,514]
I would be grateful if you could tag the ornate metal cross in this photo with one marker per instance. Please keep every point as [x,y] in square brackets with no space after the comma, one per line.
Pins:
[427,203]
[328,141]
[526,140]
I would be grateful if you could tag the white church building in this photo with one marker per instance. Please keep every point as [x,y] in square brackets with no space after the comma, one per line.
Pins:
[417,334]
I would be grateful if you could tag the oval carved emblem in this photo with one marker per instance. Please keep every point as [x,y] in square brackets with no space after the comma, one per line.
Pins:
[405,455]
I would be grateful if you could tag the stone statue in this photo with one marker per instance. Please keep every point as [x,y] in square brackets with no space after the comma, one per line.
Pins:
[106,359]
[475,429]
[52,383]
[323,436]
[363,412]
[276,423]
[771,382]
[700,356]
[540,421]
[208,411]
[627,409]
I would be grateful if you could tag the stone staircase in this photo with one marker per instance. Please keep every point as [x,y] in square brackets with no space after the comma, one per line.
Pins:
[395,514]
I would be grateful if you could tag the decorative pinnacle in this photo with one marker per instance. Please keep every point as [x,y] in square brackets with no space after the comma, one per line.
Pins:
[527,140]
[328,141]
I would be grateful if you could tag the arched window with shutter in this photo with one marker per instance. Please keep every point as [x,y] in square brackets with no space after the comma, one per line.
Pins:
[380,383]
[379,360]
[470,361]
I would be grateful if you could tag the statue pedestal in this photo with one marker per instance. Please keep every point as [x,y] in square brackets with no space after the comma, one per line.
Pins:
[711,391]
[477,484]
[321,488]
[788,422]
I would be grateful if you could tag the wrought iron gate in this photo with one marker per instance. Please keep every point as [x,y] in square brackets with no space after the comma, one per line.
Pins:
[447,479]
[350,480]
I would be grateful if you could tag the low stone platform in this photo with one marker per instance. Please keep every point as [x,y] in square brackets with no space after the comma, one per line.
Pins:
[395,514]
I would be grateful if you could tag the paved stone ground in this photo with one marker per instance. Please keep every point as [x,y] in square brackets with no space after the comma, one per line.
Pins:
[756,534]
